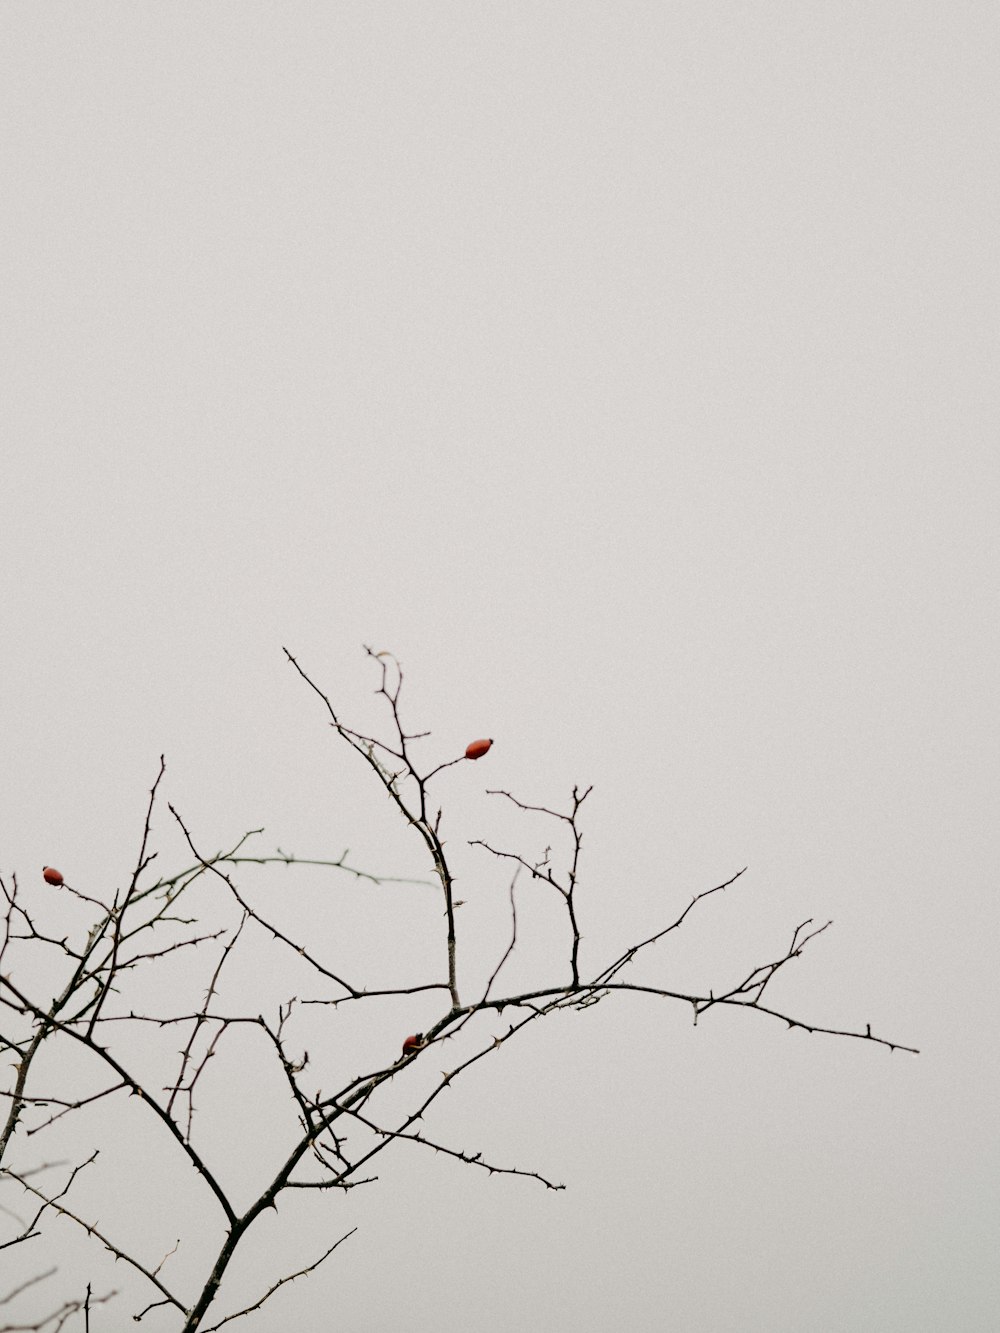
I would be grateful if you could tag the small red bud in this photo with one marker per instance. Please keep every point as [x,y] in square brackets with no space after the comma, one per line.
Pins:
[476,749]
[51,876]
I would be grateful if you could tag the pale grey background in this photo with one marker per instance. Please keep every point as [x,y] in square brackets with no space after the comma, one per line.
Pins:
[624,368]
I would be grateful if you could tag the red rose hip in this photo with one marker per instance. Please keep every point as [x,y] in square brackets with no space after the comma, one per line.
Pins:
[51,876]
[476,749]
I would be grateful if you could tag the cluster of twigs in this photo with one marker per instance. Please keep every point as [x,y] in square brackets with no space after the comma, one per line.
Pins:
[142,924]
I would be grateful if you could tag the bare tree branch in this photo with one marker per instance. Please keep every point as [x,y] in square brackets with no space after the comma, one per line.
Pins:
[249,1309]
[328,1140]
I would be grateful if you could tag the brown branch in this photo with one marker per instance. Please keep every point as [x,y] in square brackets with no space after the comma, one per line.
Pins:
[280,1283]
[200,1019]
[513,939]
[59,1317]
[53,1203]
[419,820]
[288,859]
[31,1281]
[471,1159]
[631,952]
[119,912]
[66,1106]
[135,1087]
[250,912]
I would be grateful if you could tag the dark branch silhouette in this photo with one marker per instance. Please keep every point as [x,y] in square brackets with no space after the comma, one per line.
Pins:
[100,1001]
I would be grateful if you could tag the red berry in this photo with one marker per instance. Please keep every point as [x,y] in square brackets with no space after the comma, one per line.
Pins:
[413,1043]
[476,749]
[51,876]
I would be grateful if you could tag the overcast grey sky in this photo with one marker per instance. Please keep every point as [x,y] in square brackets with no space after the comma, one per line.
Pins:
[625,369]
